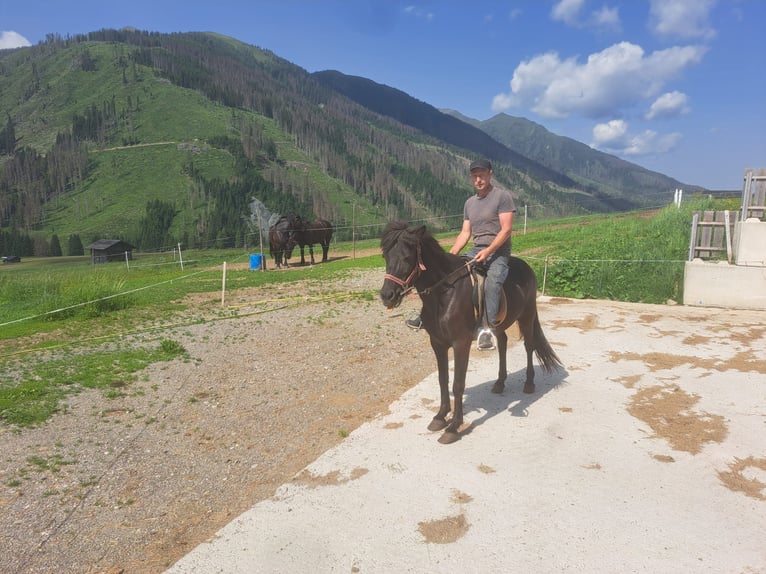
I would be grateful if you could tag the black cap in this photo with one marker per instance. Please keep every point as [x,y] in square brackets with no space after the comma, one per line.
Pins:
[480,164]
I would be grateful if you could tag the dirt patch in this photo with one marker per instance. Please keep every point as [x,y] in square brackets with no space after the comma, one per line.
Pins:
[747,476]
[444,530]
[331,479]
[668,412]
[587,323]
[743,361]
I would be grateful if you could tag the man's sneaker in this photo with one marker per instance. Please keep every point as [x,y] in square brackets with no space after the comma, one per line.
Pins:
[414,323]
[485,340]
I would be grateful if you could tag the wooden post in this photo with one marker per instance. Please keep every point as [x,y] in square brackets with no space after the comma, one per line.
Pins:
[545,274]
[727,231]
[525,219]
[127,261]
[693,240]
[223,286]
[180,258]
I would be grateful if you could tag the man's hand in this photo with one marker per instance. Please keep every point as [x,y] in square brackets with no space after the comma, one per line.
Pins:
[482,255]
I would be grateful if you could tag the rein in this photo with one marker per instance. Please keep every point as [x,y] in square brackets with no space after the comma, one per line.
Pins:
[447,277]
[418,269]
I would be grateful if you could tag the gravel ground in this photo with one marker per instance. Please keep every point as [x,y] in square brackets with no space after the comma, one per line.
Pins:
[131,484]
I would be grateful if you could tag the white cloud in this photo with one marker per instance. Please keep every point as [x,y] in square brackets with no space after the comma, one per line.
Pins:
[668,105]
[620,76]
[419,13]
[615,137]
[682,18]
[10,39]
[606,17]
[567,11]
[570,13]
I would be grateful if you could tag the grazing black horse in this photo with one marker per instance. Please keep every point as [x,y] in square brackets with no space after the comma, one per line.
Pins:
[304,233]
[415,260]
[279,239]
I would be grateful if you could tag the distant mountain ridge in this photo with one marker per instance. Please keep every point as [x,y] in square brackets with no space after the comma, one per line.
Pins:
[571,157]
[526,145]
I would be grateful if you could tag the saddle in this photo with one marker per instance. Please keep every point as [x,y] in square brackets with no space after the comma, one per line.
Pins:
[478,276]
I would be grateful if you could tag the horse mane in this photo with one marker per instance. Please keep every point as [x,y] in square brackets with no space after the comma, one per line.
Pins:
[391,234]
[397,231]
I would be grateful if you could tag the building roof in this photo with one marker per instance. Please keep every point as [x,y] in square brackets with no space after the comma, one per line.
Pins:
[102,244]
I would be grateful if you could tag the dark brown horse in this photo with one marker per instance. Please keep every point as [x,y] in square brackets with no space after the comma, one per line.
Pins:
[279,238]
[415,260]
[309,233]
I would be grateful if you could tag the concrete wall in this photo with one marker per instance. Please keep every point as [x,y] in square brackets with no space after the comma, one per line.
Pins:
[718,284]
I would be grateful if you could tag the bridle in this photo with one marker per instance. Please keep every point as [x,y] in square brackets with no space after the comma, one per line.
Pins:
[419,267]
[406,285]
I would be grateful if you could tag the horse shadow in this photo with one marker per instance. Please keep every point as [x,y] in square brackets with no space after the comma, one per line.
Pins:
[480,398]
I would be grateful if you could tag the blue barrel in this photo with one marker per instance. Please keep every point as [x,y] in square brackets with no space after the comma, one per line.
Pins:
[256,262]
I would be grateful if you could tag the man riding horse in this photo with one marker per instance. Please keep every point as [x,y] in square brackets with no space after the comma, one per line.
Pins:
[488,220]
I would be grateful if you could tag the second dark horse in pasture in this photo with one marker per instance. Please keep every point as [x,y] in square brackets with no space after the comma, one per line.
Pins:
[415,260]
[279,239]
[309,233]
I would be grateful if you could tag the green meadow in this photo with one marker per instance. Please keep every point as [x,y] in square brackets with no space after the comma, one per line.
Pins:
[67,325]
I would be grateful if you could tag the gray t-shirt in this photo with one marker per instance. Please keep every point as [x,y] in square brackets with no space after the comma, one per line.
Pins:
[483,213]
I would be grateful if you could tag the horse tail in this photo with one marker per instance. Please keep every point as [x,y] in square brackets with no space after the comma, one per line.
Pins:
[545,354]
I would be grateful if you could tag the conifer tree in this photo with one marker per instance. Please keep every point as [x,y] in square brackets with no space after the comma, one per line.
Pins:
[55,247]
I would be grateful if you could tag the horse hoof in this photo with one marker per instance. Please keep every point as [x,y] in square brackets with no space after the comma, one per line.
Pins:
[498,387]
[448,437]
[437,425]
[529,388]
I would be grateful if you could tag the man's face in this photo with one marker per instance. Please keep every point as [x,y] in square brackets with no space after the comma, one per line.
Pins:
[481,179]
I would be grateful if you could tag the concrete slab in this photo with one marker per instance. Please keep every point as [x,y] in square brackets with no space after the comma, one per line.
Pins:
[564,480]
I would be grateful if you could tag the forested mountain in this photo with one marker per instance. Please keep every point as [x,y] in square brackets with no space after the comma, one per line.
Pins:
[581,162]
[199,138]
[527,146]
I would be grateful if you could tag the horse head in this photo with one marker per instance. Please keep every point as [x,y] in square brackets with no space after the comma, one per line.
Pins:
[295,226]
[401,246]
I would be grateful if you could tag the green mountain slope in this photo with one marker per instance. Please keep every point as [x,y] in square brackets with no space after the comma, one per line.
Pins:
[161,138]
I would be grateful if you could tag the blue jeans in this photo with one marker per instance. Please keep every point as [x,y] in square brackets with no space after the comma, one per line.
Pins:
[497,271]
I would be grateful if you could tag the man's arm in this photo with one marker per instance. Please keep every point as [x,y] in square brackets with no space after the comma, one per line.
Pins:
[462,239]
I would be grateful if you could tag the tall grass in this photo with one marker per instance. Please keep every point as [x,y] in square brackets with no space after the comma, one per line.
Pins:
[637,258]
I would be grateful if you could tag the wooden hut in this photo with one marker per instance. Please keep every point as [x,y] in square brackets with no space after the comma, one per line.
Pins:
[105,250]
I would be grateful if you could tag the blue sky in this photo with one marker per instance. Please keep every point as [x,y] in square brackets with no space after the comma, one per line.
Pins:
[677,86]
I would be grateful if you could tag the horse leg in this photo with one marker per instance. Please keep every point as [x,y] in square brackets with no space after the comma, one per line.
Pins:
[325,249]
[303,261]
[526,327]
[311,253]
[529,384]
[502,372]
[461,351]
[440,419]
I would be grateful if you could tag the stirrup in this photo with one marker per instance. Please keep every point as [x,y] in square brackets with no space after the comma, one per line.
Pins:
[492,341]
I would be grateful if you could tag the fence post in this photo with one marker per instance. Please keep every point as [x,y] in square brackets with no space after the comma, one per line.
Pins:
[728,235]
[223,286]
[127,262]
[180,258]
[525,219]
[693,239]
[545,273]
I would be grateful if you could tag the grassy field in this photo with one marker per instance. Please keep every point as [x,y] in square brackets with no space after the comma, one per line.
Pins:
[54,309]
